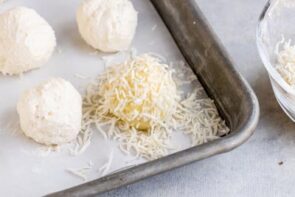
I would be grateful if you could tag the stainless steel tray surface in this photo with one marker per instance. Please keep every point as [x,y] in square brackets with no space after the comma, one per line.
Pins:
[235,99]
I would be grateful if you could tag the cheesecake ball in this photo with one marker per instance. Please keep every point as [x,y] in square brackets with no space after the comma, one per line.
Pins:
[26,41]
[51,112]
[139,91]
[107,25]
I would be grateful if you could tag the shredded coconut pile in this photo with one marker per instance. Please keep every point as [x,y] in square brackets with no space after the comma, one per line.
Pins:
[104,169]
[81,172]
[139,104]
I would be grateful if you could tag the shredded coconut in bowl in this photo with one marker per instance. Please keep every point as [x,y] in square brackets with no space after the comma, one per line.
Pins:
[286,61]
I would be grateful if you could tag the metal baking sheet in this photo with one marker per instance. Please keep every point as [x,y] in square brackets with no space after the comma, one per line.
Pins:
[27,170]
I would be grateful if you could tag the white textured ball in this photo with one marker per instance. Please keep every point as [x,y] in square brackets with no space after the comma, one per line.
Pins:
[26,40]
[107,25]
[51,112]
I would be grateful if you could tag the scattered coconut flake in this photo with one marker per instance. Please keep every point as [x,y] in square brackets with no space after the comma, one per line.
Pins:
[78,174]
[106,167]
[199,118]
[82,141]
[81,172]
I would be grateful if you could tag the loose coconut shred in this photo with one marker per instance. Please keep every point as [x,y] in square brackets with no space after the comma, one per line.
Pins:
[139,104]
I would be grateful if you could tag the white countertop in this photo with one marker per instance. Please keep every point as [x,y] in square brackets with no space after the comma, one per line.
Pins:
[252,169]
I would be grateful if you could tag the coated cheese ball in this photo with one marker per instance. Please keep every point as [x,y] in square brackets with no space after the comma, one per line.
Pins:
[140,91]
[26,41]
[107,25]
[51,112]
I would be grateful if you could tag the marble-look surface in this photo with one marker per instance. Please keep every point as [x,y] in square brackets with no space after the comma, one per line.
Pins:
[252,169]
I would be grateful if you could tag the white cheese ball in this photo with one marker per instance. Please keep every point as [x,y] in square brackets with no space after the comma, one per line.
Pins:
[51,112]
[26,40]
[107,25]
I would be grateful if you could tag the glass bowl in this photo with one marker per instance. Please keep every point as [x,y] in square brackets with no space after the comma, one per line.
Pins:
[277,22]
